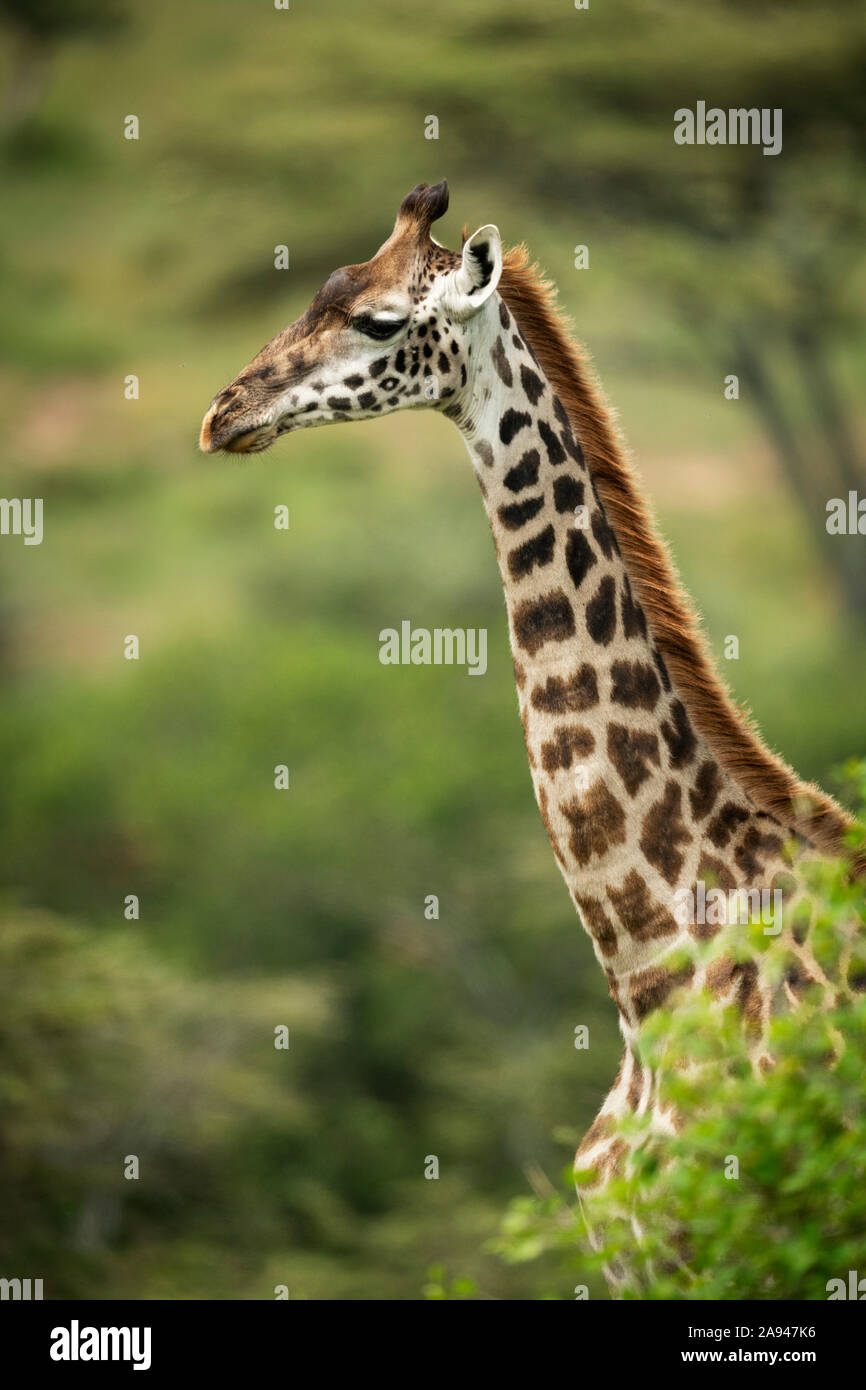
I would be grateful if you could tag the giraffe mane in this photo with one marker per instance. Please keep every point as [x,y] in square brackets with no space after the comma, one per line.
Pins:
[728,729]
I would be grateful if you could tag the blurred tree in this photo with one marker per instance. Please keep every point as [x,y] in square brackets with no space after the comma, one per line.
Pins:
[107,1055]
[760,255]
[35,27]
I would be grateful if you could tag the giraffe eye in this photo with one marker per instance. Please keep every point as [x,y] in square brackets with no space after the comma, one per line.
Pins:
[380,329]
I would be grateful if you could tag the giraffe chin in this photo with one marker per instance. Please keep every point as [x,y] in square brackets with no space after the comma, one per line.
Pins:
[251,441]
[257,440]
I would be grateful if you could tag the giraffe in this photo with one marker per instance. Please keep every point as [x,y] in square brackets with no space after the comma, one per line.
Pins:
[649,780]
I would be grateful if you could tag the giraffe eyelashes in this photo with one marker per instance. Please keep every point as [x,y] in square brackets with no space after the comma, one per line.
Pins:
[378,328]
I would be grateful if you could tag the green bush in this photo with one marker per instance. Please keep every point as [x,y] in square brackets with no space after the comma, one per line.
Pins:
[790,1214]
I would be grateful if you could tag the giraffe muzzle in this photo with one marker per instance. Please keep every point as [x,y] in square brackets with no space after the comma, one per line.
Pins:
[218,438]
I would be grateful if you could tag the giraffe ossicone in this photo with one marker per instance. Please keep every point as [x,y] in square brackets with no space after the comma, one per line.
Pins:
[651,783]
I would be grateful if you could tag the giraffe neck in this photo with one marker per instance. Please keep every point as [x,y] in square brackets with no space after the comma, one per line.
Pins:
[637,808]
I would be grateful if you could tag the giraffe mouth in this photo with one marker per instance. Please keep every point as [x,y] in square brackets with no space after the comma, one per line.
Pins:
[244,441]
[251,441]
[238,437]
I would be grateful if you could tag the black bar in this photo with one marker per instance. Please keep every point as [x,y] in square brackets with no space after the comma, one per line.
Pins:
[219,1339]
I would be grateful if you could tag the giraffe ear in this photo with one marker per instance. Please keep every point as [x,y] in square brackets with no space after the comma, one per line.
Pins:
[477,276]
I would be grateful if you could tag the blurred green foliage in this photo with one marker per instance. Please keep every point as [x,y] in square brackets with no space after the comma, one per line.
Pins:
[791,1216]
[409,1037]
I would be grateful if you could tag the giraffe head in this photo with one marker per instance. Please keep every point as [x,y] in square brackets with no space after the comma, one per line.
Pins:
[391,333]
